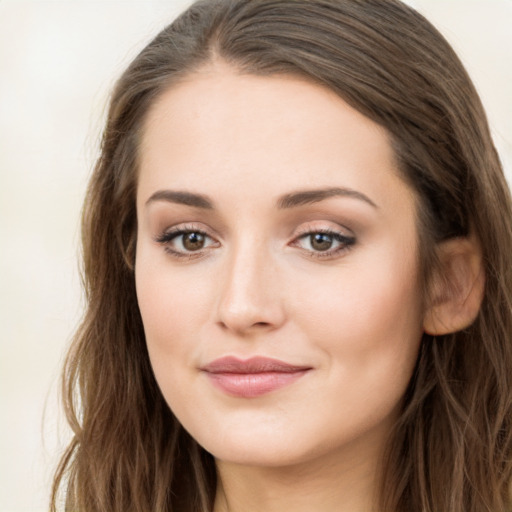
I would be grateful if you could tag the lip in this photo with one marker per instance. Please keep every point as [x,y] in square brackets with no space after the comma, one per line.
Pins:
[252,377]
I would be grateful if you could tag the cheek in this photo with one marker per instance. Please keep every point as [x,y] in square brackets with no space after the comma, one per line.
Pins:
[172,304]
[371,320]
[369,330]
[171,308]
[171,301]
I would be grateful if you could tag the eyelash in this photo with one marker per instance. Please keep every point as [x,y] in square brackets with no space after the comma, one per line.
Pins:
[169,235]
[345,241]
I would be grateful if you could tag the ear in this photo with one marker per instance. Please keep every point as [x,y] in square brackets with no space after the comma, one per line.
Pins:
[457,289]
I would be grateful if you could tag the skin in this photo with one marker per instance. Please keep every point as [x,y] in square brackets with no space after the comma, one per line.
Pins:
[259,286]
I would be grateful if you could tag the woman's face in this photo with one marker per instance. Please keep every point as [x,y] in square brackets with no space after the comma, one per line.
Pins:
[276,268]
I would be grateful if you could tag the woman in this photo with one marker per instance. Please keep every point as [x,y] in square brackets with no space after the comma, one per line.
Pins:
[296,246]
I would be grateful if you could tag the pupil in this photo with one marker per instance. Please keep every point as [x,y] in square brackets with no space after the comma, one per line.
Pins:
[193,241]
[321,241]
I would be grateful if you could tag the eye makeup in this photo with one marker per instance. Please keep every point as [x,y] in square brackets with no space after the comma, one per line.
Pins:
[324,243]
[190,242]
[186,241]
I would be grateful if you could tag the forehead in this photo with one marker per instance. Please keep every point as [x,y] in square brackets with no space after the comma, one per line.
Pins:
[230,134]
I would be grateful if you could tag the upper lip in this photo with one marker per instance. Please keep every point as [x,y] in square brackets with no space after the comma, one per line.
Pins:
[257,364]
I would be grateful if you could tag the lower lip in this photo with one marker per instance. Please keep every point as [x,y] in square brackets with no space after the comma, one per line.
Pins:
[251,385]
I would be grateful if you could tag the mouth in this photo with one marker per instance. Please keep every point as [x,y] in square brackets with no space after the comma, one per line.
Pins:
[252,377]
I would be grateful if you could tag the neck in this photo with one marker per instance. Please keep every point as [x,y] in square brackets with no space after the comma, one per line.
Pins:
[333,483]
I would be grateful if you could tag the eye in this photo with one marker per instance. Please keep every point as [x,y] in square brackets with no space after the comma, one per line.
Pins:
[186,242]
[321,241]
[324,243]
[192,241]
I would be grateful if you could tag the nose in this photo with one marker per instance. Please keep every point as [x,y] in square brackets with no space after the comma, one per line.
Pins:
[251,298]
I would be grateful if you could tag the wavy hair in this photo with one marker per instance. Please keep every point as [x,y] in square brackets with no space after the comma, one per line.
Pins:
[451,449]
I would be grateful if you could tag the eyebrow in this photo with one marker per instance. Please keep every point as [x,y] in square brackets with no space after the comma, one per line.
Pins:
[185,198]
[304,197]
[292,200]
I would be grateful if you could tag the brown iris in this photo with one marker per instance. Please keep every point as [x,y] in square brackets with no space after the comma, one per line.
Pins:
[193,241]
[321,241]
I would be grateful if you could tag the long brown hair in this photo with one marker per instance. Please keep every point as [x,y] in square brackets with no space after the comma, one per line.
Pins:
[452,447]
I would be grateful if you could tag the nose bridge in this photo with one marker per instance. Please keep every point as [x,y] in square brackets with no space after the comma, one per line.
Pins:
[249,296]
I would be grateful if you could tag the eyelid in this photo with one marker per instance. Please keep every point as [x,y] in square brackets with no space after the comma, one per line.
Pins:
[342,235]
[169,234]
[174,230]
[346,240]
[324,227]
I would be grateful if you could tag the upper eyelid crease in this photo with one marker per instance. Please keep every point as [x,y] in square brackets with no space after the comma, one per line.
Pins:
[180,230]
[346,242]
[291,200]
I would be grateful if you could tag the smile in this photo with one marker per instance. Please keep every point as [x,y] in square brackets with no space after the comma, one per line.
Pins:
[252,377]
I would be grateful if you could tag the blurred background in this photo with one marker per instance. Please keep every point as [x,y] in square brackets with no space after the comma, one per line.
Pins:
[58,62]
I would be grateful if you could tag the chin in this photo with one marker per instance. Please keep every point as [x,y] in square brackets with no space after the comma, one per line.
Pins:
[260,455]
[267,447]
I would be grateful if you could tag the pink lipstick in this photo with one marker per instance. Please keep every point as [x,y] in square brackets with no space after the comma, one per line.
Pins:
[252,377]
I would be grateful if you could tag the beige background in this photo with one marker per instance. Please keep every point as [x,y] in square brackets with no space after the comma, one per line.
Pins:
[58,60]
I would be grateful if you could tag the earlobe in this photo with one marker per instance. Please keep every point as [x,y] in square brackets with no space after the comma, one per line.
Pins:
[457,289]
